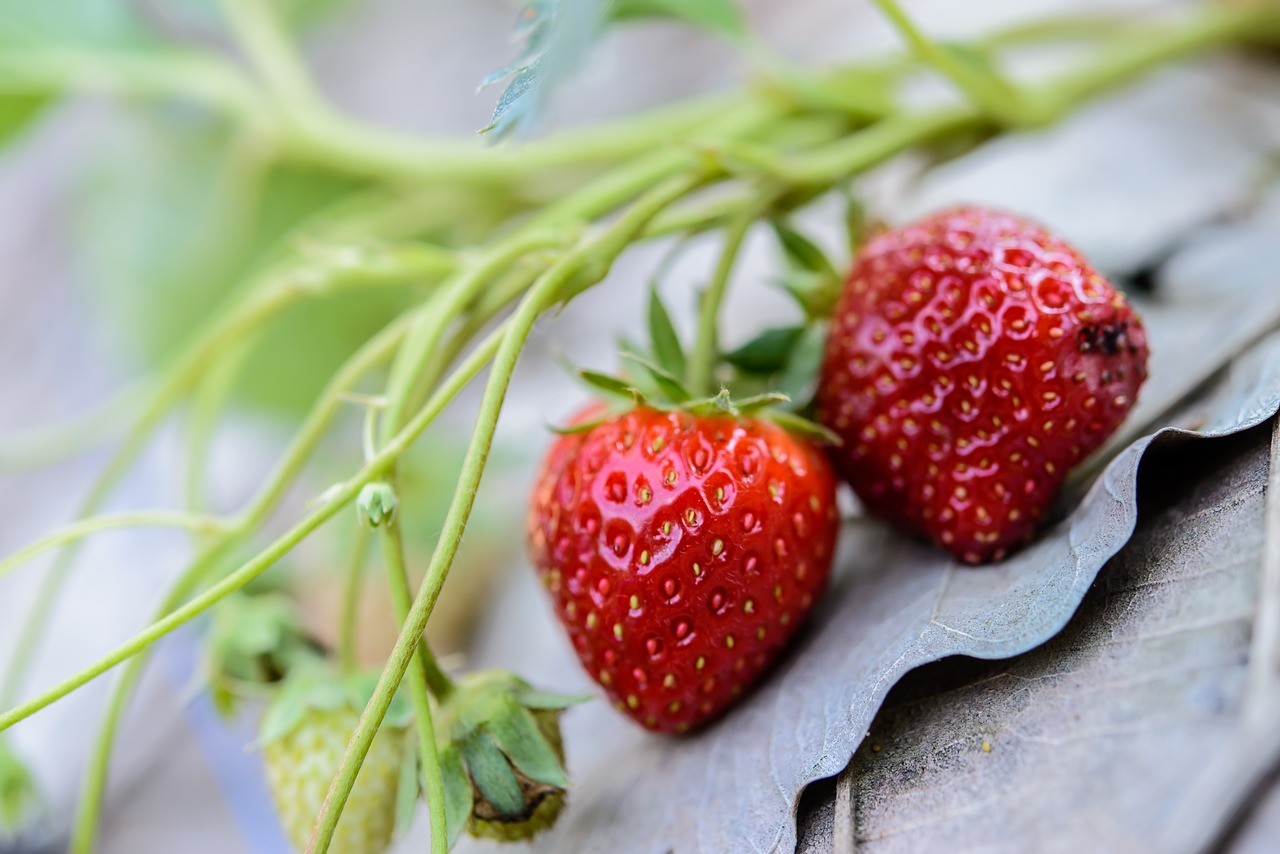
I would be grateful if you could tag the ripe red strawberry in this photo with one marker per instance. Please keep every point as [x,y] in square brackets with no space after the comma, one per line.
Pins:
[682,551]
[973,360]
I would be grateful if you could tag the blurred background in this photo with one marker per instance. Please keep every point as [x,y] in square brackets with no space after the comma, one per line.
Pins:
[124,224]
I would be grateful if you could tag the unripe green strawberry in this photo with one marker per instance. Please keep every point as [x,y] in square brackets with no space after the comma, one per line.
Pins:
[305,734]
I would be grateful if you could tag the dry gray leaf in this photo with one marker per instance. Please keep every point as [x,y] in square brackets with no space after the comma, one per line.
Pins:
[1101,739]
[734,788]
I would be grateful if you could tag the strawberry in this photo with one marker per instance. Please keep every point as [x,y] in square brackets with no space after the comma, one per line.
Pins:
[973,359]
[304,735]
[682,549]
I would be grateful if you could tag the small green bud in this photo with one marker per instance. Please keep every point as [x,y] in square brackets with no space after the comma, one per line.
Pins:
[377,504]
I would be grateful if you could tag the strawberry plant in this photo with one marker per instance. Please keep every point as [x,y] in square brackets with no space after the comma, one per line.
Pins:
[415,265]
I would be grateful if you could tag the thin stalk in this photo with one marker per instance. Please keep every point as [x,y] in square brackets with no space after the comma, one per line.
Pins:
[335,499]
[373,353]
[76,531]
[702,361]
[991,93]
[398,578]
[351,586]
[549,288]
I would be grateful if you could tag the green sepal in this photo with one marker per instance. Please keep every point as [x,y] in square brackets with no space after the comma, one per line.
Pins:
[768,352]
[802,253]
[668,353]
[811,291]
[799,379]
[253,641]
[532,698]
[319,686]
[672,388]
[492,774]
[459,797]
[575,429]
[758,402]
[518,736]
[802,426]
[611,385]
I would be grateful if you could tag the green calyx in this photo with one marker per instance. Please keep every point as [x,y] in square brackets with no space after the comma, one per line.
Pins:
[317,686]
[253,643]
[771,377]
[502,757]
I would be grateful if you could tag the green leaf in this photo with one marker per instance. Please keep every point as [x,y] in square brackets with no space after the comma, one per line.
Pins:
[671,386]
[532,698]
[718,16]
[19,796]
[575,429]
[458,794]
[667,352]
[802,253]
[768,352]
[17,113]
[492,774]
[518,735]
[608,384]
[811,430]
[816,293]
[800,378]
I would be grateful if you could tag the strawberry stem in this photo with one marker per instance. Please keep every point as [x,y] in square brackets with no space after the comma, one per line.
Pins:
[426,673]
[351,587]
[702,360]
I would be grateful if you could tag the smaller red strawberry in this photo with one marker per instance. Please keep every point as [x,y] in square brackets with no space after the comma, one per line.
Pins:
[682,550]
[973,359]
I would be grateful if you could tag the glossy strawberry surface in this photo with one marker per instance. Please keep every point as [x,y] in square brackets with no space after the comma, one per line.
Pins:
[681,553]
[973,359]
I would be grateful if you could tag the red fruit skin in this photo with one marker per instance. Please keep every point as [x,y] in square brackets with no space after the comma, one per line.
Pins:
[681,553]
[973,359]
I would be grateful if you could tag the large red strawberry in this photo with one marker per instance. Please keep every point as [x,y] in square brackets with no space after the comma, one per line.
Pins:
[682,551]
[973,359]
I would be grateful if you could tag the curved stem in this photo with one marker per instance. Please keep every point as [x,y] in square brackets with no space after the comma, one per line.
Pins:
[398,578]
[336,498]
[94,784]
[351,600]
[702,361]
[77,531]
[549,288]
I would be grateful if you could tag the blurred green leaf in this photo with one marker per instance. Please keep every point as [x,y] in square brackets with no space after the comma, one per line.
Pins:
[768,352]
[17,113]
[800,378]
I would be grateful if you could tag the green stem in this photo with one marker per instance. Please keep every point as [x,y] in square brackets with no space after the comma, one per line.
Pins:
[93,788]
[351,589]
[443,308]
[545,291]
[322,277]
[398,578]
[335,499]
[258,32]
[702,361]
[77,531]
[991,93]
